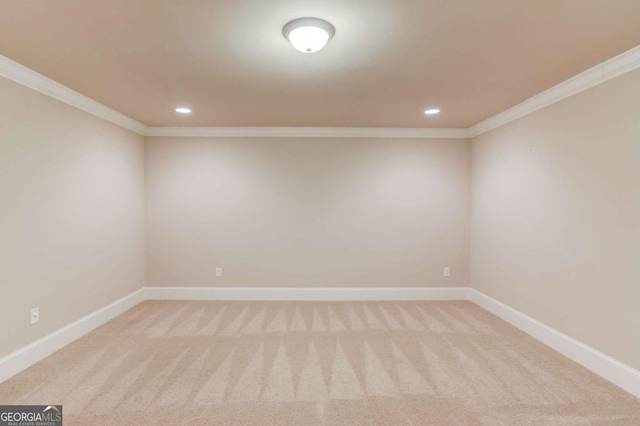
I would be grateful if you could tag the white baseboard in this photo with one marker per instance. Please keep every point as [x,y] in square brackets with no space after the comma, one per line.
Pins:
[25,357]
[603,365]
[307,294]
[620,374]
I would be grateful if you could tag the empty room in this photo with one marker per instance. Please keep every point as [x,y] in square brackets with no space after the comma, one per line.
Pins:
[319,212]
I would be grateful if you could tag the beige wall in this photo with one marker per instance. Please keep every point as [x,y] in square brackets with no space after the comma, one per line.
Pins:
[552,201]
[71,215]
[307,212]
[556,216]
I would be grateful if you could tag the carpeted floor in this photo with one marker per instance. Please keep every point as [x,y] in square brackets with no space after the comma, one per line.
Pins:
[316,363]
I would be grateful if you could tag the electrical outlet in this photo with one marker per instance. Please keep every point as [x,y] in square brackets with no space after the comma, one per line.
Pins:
[446,272]
[35,316]
[218,271]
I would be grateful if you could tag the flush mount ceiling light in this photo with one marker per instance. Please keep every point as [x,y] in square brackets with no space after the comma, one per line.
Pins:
[432,111]
[183,110]
[308,35]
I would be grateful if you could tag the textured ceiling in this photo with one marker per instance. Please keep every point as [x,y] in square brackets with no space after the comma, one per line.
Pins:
[388,61]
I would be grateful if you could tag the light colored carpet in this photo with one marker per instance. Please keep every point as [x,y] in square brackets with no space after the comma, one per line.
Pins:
[316,363]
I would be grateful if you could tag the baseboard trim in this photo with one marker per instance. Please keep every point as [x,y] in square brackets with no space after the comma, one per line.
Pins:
[26,356]
[612,370]
[307,294]
[603,365]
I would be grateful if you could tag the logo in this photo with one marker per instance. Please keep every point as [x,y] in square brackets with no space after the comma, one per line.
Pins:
[30,415]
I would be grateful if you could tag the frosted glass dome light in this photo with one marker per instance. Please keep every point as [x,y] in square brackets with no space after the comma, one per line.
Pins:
[308,35]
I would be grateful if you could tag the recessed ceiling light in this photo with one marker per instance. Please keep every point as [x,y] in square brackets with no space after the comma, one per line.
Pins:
[183,110]
[432,111]
[308,35]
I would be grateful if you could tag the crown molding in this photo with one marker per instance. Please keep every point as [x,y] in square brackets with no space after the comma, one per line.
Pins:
[38,82]
[309,132]
[614,67]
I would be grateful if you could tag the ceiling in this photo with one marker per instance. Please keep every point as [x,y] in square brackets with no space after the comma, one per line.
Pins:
[388,62]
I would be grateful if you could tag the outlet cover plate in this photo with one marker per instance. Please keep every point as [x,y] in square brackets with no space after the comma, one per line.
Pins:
[35,316]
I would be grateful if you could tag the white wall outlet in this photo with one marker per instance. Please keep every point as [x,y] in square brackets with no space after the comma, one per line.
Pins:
[35,316]
[446,272]
[218,271]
